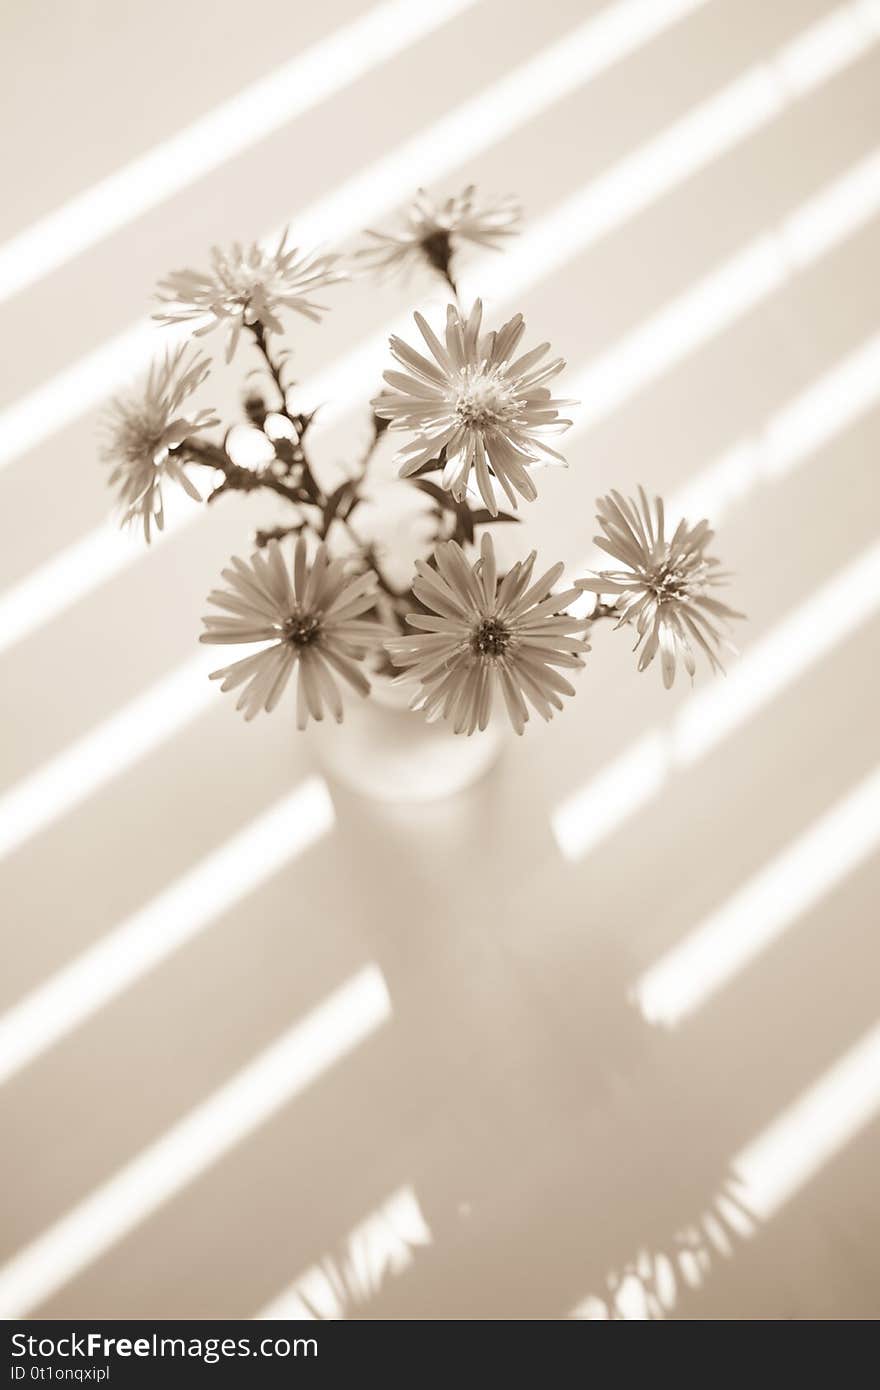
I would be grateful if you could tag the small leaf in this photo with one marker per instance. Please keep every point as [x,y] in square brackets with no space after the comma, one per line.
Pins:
[337,504]
[464,525]
[483,517]
[443,498]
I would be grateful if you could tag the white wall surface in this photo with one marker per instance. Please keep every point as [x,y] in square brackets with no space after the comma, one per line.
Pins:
[625,1063]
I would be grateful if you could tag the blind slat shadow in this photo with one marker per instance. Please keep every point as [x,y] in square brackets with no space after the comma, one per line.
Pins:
[606,1045]
[553,1149]
[83,385]
[613,367]
[468,111]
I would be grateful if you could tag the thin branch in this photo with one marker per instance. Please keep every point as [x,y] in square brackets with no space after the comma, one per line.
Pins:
[306,492]
[379,428]
[236,478]
[450,280]
[259,333]
[603,610]
[369,553]
[278,533]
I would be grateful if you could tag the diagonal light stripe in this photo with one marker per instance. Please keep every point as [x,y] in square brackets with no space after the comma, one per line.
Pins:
[592,813]
[343,1021]
[383,1243]
[806,423]
[715,304]
[619,790]
[710,956]
[86,765]
[730,292]
[704,311]
[816,416]
[771,1170]
[503,107]
[77,571]
[797,431]
[664,339]
[77,389]
[706,132]
[837,39]
[616,32]
[827,619]
[605,203]
[812,1130]
[213,886]
[219,136]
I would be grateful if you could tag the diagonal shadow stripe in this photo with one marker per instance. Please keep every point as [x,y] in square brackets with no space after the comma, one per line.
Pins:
[470,128]
[766,1174]
[712,129]
[619,790]
[219,136]
[166,923]
[792,436]
[687,977]
[246,1101]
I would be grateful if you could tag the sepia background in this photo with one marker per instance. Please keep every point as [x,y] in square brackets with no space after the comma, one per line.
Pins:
[601,1037]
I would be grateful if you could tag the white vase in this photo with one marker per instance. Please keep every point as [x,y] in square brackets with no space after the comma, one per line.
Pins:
[386,751]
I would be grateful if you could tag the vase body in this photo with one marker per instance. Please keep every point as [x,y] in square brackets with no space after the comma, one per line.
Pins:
[386,751]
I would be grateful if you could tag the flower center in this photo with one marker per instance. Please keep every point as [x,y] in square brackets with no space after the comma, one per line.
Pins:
[667,583]
[491,638]
[245,284]
[484,400]
[301,629]
[141,436]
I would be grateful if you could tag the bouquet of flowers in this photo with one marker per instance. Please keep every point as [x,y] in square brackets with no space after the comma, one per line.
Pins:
[477,411]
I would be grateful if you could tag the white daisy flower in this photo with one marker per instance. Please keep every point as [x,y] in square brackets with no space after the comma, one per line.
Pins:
[433,230]
[312,622]
[488,409]
[246,286]
[662,589]
[143,431]
[480,635]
